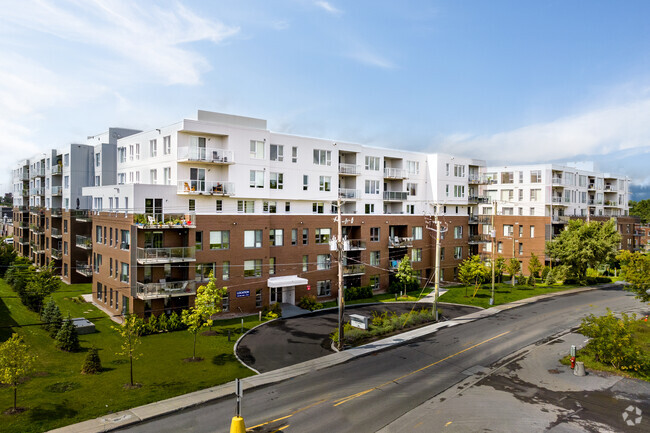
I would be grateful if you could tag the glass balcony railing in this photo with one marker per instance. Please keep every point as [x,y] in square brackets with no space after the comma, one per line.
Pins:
[400,242]
[56,232]
[164,289]
[395,195]
[165,255]
[84,269]
[354,269]
[395,173]
[349,169]
[348,193]
[214,155]
[205,187]
[84,242]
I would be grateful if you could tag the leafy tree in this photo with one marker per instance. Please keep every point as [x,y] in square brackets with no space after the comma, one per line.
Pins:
[473,271]
[7,257]
[130,331]
[641,209]
[206,304]
[92,364]
[513,267]
[19,274]
[67,338]
[534,265]
[40,284]
[499,267]
[405,274]
[582,245]
[52,318]
[635,269]
[15,363]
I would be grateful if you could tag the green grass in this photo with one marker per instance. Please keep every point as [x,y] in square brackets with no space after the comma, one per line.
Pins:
[503,293]
[57,394]
[385,297]
[640,334]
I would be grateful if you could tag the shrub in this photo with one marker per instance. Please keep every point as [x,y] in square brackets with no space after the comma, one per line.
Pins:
[272,312]
[531,280]
[397,287]
[67,338]
[309,302]
[52,318]
[174,322]
[550,278]
[352,293]
[151,327]
[92,364]
[598,280]
[545,272]
[521,279]
[163,325]
[571,280]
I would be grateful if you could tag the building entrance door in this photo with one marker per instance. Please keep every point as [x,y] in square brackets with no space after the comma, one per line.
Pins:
[289,295]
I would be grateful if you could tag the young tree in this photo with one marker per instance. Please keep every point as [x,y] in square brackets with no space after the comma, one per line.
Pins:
[130,332]
[52,318]
[405,273]
[15,363]
[92,364]
[67,338]
[635,269]
[41,284]
[583,245]
[473,271]
[19,274]
[7,257]
[534,266]
[499,267]
[513,267]
[206,303]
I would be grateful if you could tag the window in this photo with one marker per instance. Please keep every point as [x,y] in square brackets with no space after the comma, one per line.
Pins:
[507,230]
[294,154]
[535,194]
[521,231]
[305,263]
[271,265]
[98,234]
[191,205]
[219,206]
[65,226]
[276,237]
[253,268]
[410,209]
[198,238]
[507,177]
[66,182]
[536,176]
[442,255]
[305,182]
[270,207]
[372,163]
[154,176]
[137,150]
[252,238]
[447,190]
[417,233]
[532,211]
[124,275]
[305,236]
[322,262]
[225,270]
[458,253]
[203,271]
[325,183]
[324,287]
[521,249]
[98,159]
[98,262]
[458,232]
[459,191]
[153,148]
[412,188]
[369,208]
[374,282]
[277,152]
[110,236]
[256,179]
[459,170]
[125,239]
[257,149]
[167,175]
[372,187]
[447,169]
[98,180]
[507,194]
[258,298]
[520,194]
[413,167]
[294,236]
[287,206]
[66,160]
[374,234]
[322,157]
[374,258]
[219,240]
[416,255]
[99,291]
[532,232]
[167,144]
[322,236]
[500,247]
[318,207]
[276,181]
[225,302]
[131,152]
[246,206]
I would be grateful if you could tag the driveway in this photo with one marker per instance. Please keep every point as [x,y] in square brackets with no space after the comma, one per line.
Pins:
[285,342]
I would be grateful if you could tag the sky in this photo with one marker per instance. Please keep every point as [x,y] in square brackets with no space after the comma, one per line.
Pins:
[506,81]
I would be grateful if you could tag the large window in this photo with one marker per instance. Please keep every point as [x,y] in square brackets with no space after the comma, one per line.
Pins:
[324,287]
[256,179]
[413,167]
[372,187]
[416,255]
[322,262]
[318,207]
[458,232]
[536,176]
[374,258]
[325,183]
[372,163]
[277,181]
[459,191]
[507,177]
[276,237]
[252,238]
[322,235]
[270,207]
[203,271]
[246,206]
[277,152]
[257,149]
[374,234]
[507,230]
[253,268]
[459,170]
[124,275]
[417,233]
[458,253]
[219,240]
[322,157]
[153,148]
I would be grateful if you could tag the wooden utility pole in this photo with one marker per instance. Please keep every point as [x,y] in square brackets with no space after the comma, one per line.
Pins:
[493,234]
[437,272]
[339,248]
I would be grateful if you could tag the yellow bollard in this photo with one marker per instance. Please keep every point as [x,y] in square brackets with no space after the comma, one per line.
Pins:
[237,425]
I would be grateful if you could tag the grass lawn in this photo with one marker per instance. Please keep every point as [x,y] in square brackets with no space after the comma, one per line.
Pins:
[503,293]
[640,334]
[385,297]
[57,394]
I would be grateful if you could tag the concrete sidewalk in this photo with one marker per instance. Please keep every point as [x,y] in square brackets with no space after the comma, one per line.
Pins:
[161,408]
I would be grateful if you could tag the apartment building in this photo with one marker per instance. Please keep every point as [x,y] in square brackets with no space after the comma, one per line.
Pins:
[533,203]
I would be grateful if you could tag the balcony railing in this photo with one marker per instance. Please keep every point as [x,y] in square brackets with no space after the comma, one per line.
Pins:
[349,194]
[358,269]
[477,239]
[205,187]
[395,195]
[56,232]
[57,190]
[479,199]
[56,254]
[84,242]
[593,202]
[25,192]
[475,179]
[610,188]
[81,215]
[354,245]
[203,154]
[349,169]
[560,200]
[56,211]
[400,242]
[84,269]
[560,219]
[165,255]
[57,169]
[37,191]
[395,173]
[592,186]
[161,220]
[164,289]
[37,173]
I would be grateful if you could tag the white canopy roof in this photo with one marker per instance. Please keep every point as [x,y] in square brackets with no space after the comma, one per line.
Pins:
[287,280]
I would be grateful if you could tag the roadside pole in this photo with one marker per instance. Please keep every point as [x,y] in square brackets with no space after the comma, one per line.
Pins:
[339,247]
[237,423]
[493,234]
[437,272]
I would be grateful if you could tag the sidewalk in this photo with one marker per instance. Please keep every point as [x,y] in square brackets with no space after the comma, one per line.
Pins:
[157,409]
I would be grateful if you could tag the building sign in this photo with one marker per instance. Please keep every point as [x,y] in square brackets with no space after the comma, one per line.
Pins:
[243,293]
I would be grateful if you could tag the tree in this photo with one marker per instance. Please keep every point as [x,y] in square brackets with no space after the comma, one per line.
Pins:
[404,273]
[40,284]
[513,267]
[635,269]
[473,271]
[92,364]
[206,304]
[534,267]
[130,332]
[582,245]
[15,363]
[52,318]
[19,274]
[67,338]
[7,257]
[499,267]
[641,209]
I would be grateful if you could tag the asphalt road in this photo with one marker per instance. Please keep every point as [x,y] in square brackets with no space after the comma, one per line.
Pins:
[368,393]
[285,342]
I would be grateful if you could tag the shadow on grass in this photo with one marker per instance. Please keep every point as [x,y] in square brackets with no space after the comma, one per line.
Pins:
[6,322]
[223,358]
[48,412]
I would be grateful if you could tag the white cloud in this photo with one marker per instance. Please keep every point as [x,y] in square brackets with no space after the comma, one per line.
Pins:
[366,57]
[326,6]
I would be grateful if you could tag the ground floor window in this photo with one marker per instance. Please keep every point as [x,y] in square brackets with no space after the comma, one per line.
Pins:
[258,298]
[324,287]
[276,295]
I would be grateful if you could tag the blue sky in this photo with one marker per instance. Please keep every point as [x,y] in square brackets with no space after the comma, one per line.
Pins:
[507,81]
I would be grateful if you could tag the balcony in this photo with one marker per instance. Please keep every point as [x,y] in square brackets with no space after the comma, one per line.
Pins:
[57,190]
[206,188]
[36,229]
[350,270]
[164,289]
[208,155]
[56,212]
[354,245]
[37,191]
[593,202]
[611,204]
[164,221]
[57,169]
[592,186]
[560,219]
[349,169]
[25,192]
[56,232]
[349,194]
[479,239]
[480,219]
[610,188]
[400,242]
[56,254]
[81,216]
[37,173]
[475,179]
[478,199]
[560,201]
[84,242]
[557,181]
[395,173]
[395,195]
[148,256]
[84,269]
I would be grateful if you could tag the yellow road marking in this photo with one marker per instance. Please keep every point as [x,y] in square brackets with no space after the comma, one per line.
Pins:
[447,423]
[359,394]
[281,428]
[288,416]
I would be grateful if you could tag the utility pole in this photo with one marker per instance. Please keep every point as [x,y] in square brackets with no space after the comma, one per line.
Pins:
[437,272]
[339,248]
[493,234]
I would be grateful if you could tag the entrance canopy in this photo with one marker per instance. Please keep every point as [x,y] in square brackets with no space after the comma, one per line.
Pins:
[286,281]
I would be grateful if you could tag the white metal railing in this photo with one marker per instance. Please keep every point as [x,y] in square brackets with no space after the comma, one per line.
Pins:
[395,173]
[480,179]
[400,242]
[205,187]
[57,169]
[353,244]
[206,154]
[349,193]
[349,168]
[610,188]
[166,288]
[395,195]
[162,255]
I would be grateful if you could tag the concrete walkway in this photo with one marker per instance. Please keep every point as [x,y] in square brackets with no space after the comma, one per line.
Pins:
[161,408]
[89,298]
